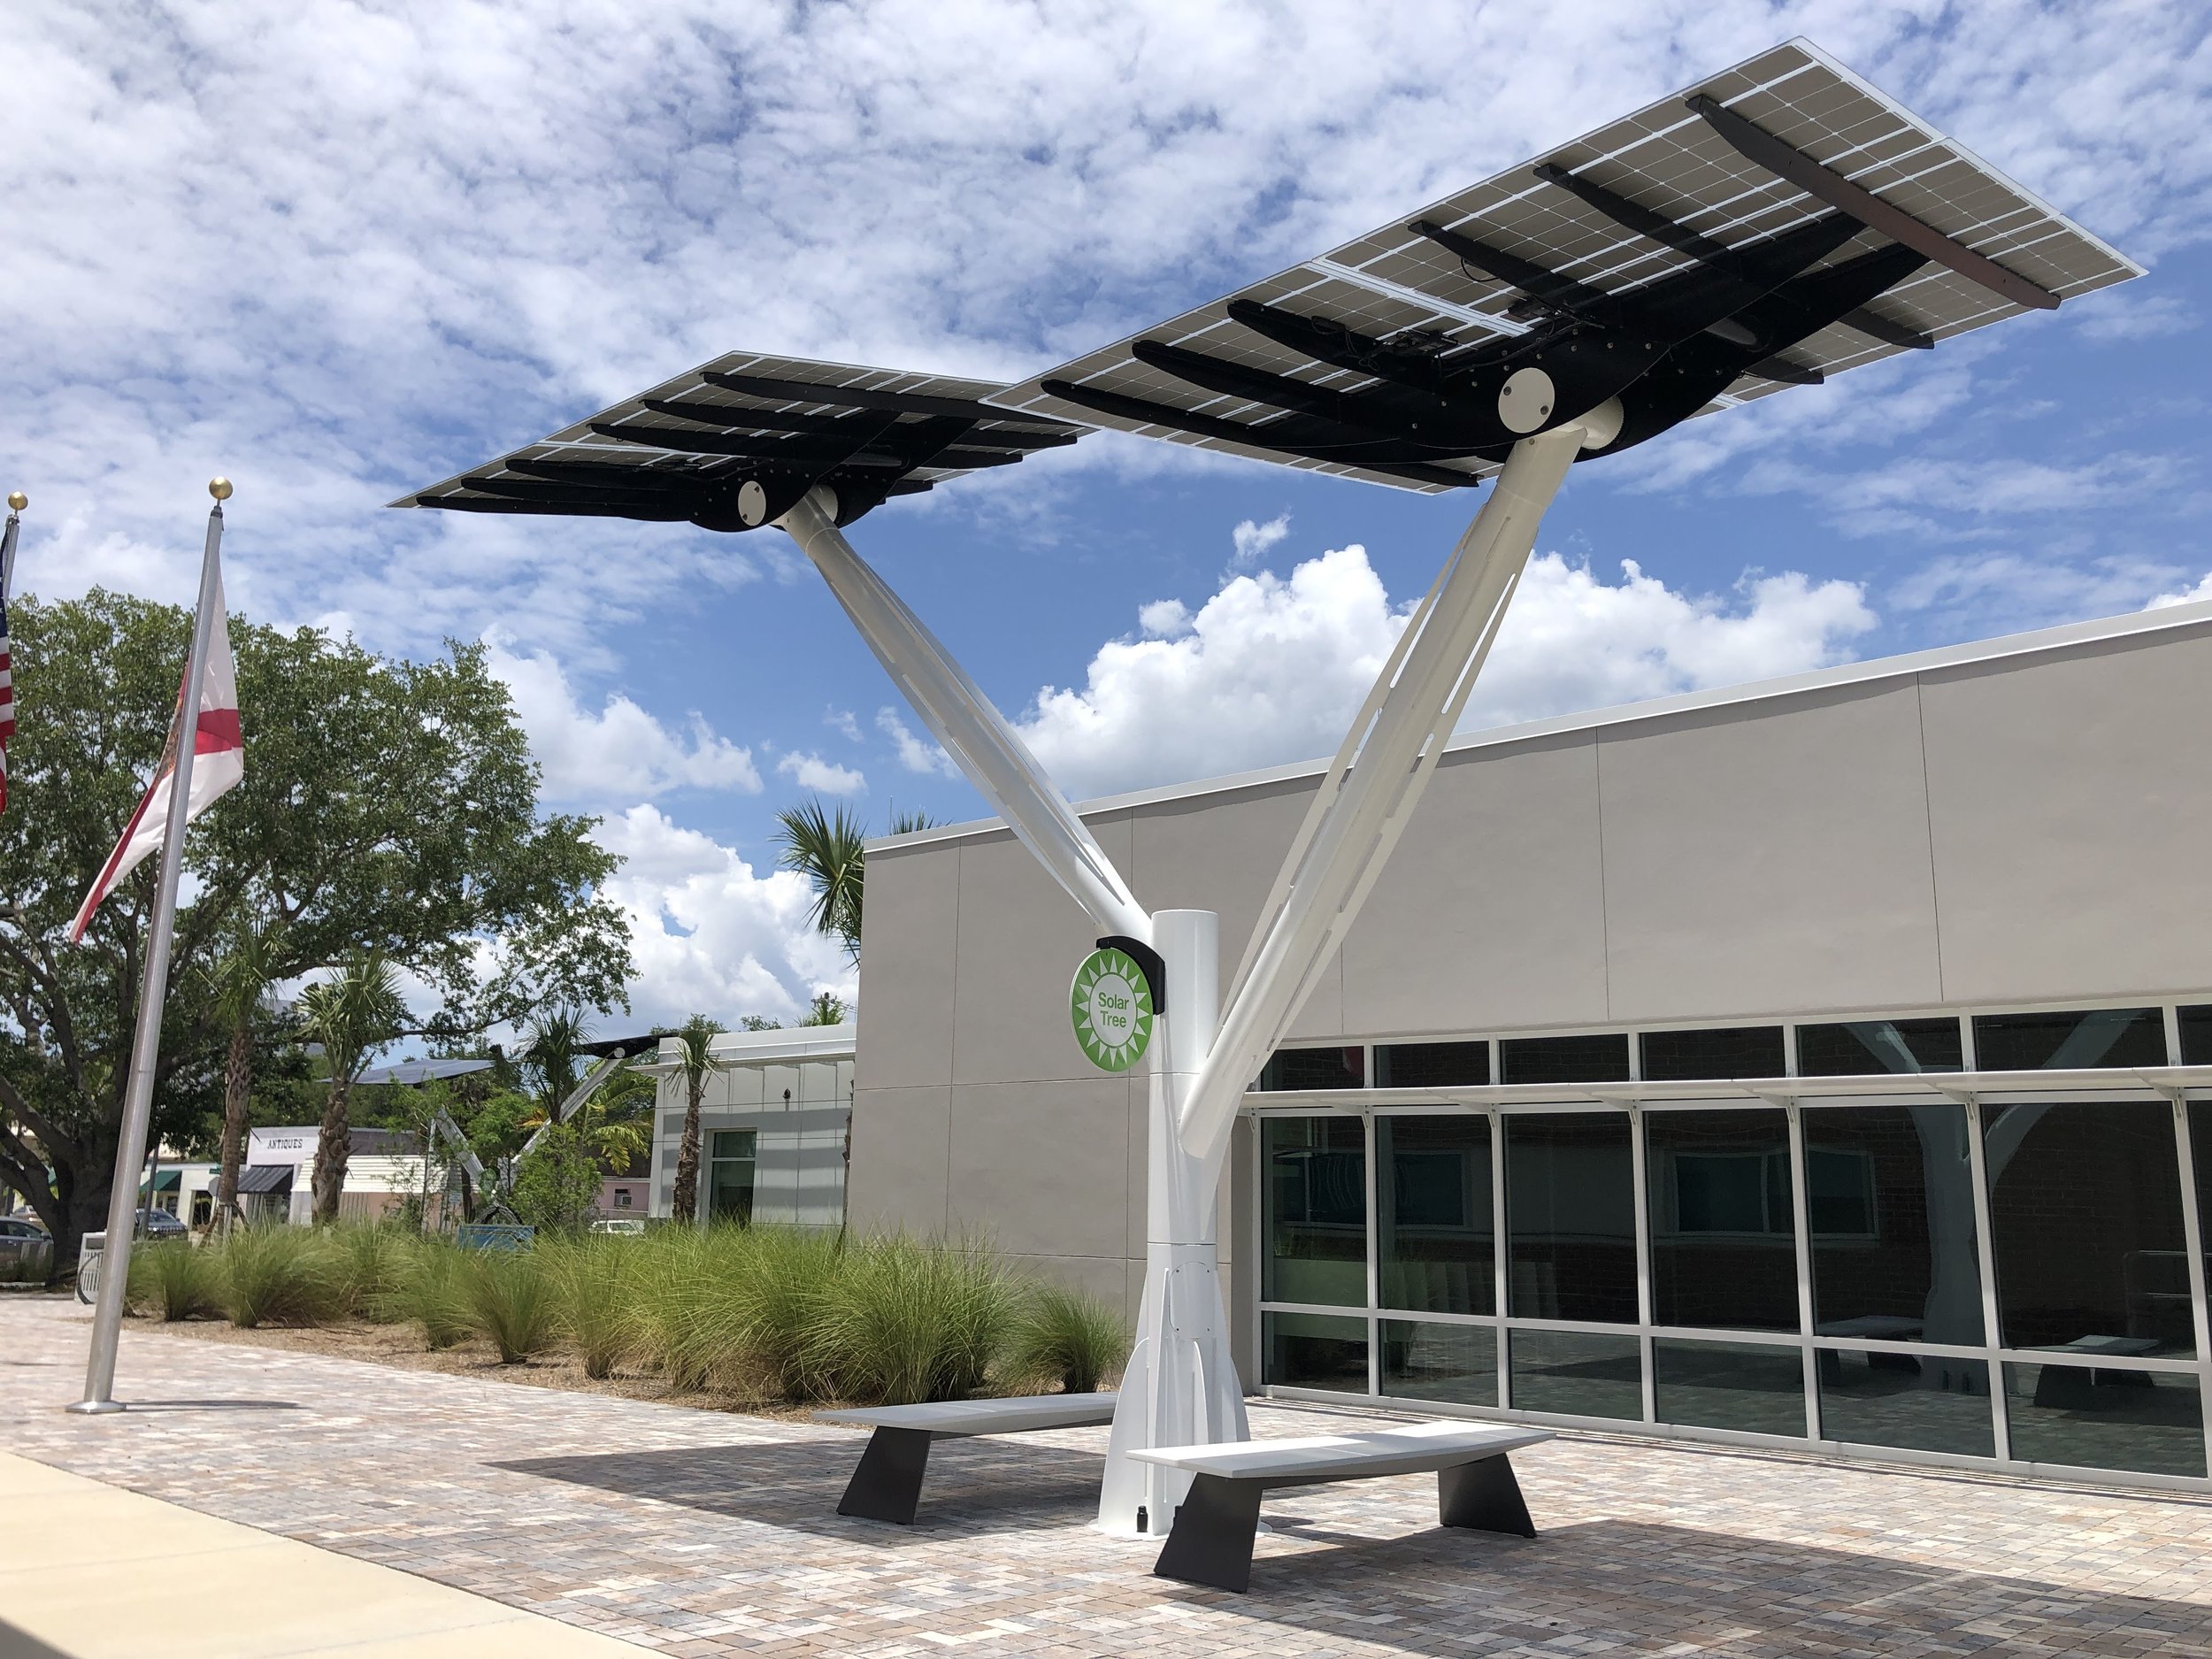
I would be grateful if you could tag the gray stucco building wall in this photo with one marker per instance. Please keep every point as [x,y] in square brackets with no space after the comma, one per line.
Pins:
[2016,823]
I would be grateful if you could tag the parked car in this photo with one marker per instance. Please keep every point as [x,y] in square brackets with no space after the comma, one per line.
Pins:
[622,1226]
[159,1223]
[26,1251]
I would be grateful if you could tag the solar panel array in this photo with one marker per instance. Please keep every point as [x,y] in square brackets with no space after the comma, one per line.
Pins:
[1396,284]
[681,451]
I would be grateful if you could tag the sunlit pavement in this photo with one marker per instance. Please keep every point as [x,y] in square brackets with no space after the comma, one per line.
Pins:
[698,1532]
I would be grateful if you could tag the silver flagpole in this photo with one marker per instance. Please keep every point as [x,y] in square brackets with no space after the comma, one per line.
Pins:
[138,1099]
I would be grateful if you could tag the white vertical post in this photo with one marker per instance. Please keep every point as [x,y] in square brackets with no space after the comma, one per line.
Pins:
[138,1096]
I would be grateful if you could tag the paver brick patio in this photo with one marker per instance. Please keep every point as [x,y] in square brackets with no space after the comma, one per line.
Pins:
[696,1532]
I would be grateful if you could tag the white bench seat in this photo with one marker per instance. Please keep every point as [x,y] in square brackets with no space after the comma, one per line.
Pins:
[1210,1541]
[888,1484]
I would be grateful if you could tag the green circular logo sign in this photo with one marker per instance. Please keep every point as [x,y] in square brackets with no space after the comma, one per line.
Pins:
[1111,1004]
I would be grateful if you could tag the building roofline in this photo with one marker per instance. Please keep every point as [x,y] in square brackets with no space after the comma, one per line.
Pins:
[779,1042]
[2038,642]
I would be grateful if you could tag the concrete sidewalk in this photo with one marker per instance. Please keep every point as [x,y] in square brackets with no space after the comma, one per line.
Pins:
[88,1571]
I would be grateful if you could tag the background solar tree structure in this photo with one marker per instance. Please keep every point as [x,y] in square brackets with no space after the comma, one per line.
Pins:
[1779,223]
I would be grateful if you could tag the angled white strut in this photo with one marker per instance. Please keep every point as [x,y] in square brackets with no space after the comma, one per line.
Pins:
[1180,1386]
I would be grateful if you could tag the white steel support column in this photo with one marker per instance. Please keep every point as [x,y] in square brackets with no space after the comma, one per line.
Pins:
[1182,1386]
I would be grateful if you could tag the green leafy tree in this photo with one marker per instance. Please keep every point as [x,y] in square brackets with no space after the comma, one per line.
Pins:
[828,848]
[387,805]
[695,1059]
[350,1014]
[827,1009]
[558,1184]
[240,982]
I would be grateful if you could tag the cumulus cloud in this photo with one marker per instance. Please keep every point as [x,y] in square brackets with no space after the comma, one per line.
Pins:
[2187,597]
[1253,541]
[916,754]
[841,722]
[812,771]
[708,934]
[1271,669]
[619,753]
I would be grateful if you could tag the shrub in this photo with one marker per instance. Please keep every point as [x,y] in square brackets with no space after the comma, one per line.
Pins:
[673,1278]
[513,1300]
[429,1293]
[596,1281]
[906,1320]
[558,1183]
[1066,1337]
[373,1260]
[279,1275]
[175,1281]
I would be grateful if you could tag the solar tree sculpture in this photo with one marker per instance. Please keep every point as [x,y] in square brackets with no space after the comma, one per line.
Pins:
[1781,222]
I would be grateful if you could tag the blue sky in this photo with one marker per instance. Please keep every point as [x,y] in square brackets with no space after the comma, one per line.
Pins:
[338,252]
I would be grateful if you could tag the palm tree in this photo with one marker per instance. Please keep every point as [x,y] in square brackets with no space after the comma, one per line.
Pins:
[554,1047]
[829,850]
[241,979]
[351,1015]
[695,1058]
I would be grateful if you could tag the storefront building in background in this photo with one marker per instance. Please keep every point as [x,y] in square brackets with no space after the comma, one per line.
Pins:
[1824,1063]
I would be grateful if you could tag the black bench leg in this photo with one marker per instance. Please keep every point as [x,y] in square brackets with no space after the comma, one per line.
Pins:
[1483,1495]
[1212,1540]
[888,1483]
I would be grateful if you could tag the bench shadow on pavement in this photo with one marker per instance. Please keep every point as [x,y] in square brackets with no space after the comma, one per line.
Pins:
[975,1486]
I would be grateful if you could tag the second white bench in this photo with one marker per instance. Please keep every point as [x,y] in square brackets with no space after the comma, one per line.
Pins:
[1210,1541]
[888,1484]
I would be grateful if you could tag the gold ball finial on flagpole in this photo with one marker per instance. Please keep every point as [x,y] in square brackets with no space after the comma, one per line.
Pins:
[18,500]
[219,488]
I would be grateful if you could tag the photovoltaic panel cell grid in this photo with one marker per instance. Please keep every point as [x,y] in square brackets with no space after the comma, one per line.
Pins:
[762,423]
[1666,158]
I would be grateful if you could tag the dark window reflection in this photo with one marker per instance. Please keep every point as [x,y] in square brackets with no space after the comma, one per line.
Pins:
[2095,1418]
[2050,1042]
[1862,1048]
[1437,1238]
[1430,1064]
[1730,1386]
[1571,1206]
[2196,1036]
[2085,1212]
[1458,1363]
[2200,1153]
[1723,1247]
[1737,1051]
[1290,1070]
[1889,1191]
[1916,1401]
[1316,1201]
[1576,1374]
[1314,1350]
[1599,1059]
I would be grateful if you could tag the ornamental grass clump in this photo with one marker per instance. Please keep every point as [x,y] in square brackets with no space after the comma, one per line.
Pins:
[511,1300]
[672,1267]
[429,1293]
[595,1280]
[174,1281]
[1065,1337]
[373,1260]
[906,1320]
[279,1275]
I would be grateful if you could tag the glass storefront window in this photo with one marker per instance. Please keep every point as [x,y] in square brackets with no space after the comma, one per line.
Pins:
[1570,1214]
[1864,1047]
[2067,1040]
[1723,1249]
[2102,1418]
[731,1164]
[1737,1051]
[1576,1374]
[1914,1401]
[1431,1064]
[1889,1191]
[2085,1210]
[1435,1233]
[1295,1071]
[1317,1201]
[1315,1350]
[1455,1363]
[1602,1058]
[1743,1386]
[2196,1035]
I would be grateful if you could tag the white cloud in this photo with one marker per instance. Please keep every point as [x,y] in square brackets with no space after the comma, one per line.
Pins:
[621,752]
[1990,592]
[916,754]
[708,934]
[1271,669]
[841,722]
[813,773]
[1253,541]
[2202,590]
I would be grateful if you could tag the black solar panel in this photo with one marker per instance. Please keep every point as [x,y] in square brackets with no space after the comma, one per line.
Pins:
[1361,362]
